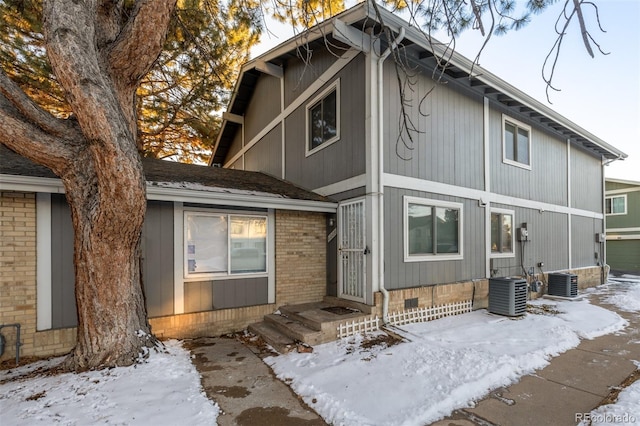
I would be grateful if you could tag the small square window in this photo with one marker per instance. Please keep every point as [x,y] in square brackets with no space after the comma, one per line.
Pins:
[502,236]
[432,230]
[616,205]
[323,119]
[516,140]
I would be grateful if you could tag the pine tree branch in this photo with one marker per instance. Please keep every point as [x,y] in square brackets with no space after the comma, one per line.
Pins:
[32,142]
[33,113]
[139,43]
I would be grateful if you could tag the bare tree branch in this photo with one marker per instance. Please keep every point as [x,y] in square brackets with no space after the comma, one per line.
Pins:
[583,28]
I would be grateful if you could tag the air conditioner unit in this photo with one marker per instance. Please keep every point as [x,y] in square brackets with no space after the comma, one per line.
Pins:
[564,285]
[508,296]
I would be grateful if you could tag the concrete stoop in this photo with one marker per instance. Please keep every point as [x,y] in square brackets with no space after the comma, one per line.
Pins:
[307,324]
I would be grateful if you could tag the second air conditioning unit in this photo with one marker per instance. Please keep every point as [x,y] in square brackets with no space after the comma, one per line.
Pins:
[508,296]
[564,285]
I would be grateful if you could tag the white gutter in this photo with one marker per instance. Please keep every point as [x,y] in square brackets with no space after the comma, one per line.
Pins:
[383,290]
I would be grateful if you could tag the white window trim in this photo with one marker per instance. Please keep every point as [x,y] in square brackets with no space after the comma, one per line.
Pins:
[334,86]
[498,255]
[506,118]
[611,198]
[431,203]
[204,276]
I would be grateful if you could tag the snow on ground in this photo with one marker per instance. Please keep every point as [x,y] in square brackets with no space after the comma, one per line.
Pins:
[163,391]
[445,365]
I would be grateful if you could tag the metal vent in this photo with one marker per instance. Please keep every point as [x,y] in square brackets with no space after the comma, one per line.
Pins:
[564,285]
[508,296]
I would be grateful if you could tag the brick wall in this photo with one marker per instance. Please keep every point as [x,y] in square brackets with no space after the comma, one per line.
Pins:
[300,257]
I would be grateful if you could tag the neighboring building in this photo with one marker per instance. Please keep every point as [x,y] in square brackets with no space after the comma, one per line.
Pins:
[221,248]
[493,183]
[622,207]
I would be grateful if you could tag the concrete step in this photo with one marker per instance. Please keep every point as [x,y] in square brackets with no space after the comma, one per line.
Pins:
[313,316]
[281,343]
[336,301]
[294,329]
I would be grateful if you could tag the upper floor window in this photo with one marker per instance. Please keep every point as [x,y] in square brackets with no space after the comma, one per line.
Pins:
[516,146]
[502,233]
[323,119]
[616,204]
[432,230]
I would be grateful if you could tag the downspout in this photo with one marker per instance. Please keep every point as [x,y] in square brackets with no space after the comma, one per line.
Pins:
[383,290]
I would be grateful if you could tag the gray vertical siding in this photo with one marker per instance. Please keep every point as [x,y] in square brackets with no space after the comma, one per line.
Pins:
[548,242]
[266,156]
[301,74]
[547,179]
[342,159]
[63,300]
[586,181]
[225,294]
[583,241]
[262,112]
[399,274]
[158,262]
[236,145]
[448,145]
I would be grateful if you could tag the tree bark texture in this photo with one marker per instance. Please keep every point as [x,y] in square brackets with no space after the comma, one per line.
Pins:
[99,58]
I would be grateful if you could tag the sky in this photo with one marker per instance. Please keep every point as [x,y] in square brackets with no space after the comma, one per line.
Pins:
[600,94]
[443,365]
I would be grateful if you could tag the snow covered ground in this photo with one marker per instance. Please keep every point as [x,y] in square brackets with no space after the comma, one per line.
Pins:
[444,365]
[164,391]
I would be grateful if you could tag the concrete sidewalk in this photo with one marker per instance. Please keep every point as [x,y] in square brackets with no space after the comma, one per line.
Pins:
[234,376]
[574,383]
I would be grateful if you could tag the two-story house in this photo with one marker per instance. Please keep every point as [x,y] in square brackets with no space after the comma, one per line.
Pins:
[455,180]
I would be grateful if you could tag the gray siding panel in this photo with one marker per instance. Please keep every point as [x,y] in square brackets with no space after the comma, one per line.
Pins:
[265,106]
[586,181]
[583,245]
[547,179]
[63,301]
[448,144]
[400,274]
[266,156]
[157,263]
[548,243]
[237,293]
[346,157]
[198,296]
[300,74]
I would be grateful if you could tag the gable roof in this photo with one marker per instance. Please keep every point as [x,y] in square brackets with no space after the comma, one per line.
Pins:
[479,81]
[172,181]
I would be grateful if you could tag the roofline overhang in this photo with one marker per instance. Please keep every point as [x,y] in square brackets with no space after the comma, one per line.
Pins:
[362,11]
[54,186]
[624,181]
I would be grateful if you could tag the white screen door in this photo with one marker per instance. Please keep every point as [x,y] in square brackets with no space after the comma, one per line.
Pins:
[351,250]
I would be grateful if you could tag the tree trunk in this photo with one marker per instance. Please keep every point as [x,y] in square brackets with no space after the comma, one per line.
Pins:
[99,53]
[107,208]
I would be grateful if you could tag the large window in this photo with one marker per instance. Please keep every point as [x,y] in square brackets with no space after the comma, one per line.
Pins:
[616,204]
[432,230]
[224,244]
[502,233]
[516,143]
[323,119]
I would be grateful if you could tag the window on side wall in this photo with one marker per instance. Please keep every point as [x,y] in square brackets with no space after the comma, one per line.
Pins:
[502,235]
[218,244]
[616,205]
[516,143]
[432,230]
[323,119]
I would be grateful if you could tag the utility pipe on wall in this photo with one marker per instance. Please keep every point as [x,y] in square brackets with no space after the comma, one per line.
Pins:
[383,290]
